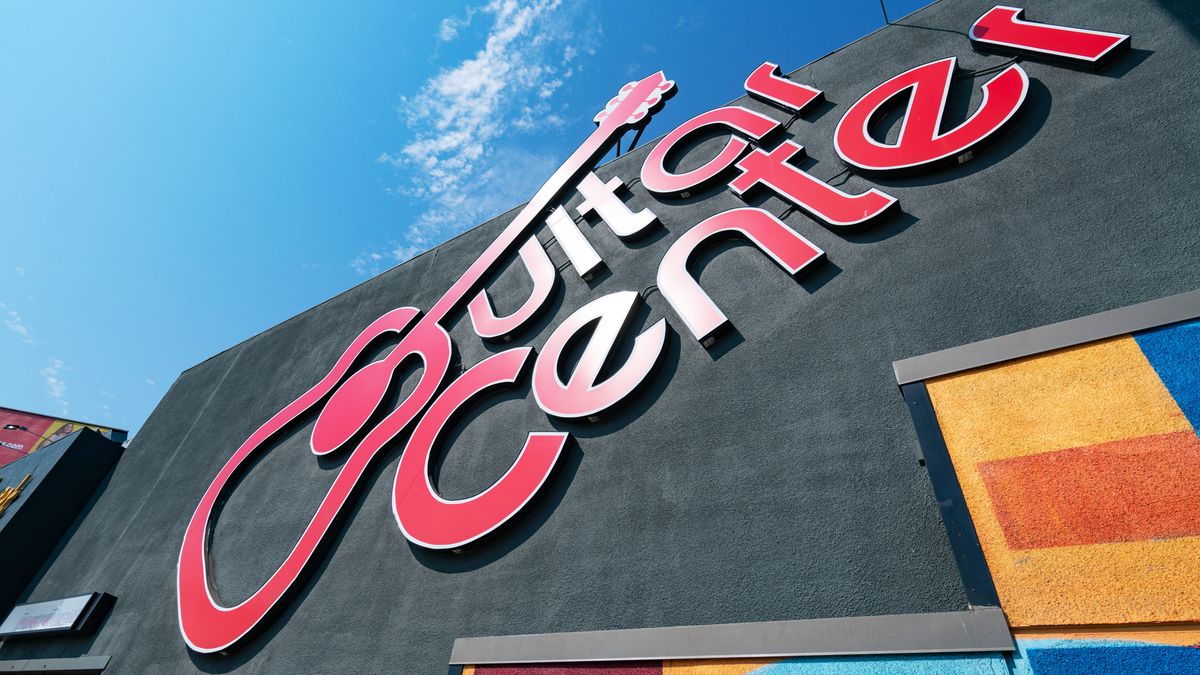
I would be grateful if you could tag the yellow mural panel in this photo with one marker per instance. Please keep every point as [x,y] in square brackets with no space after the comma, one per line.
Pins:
[1126,582]
[1100,392]
[714,666]
[1104,392]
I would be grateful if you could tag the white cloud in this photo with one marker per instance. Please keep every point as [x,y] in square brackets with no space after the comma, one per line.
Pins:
[20,271]
[150,382]
[448,30]
[510,180]
[457,161]
[55,386]
[451,25]
[15,324]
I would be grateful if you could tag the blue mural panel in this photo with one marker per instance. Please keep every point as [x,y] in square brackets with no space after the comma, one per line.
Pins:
[1174,352]
[934,664]
[1103,657]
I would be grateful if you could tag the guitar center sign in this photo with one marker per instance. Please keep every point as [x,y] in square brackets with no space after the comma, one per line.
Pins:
[349,401]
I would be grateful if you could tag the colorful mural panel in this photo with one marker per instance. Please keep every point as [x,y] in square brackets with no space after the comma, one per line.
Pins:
[1081,470]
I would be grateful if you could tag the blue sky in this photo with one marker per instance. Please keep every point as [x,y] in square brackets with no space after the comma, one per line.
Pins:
[177,177]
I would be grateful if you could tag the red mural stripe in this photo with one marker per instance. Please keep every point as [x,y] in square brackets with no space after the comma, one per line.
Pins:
[1127,490]
[626,668]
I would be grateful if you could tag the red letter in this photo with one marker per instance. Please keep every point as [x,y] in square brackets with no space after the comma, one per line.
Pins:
[1003,29]
[208,626]
[658,179]
[921,141]
[541,271]
[767,83]
[817,198]
[427,519]
[584,395]
[702,317]
[350,403]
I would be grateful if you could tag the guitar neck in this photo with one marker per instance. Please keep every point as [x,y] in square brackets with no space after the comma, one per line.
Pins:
[634,107]
[583,157]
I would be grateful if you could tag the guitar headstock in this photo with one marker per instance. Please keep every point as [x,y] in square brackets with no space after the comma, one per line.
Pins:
[636,102]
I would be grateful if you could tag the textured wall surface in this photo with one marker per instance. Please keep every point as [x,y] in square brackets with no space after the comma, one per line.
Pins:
[774,477]
[63,477]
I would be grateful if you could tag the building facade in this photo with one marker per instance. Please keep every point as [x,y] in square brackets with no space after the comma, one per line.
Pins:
[24,433]
[890,365]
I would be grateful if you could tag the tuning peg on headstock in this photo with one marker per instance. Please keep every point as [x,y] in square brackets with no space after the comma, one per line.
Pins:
[636,101]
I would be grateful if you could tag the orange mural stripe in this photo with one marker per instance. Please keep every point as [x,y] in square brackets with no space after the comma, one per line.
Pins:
[639,668]
[1128,490]
[715,666]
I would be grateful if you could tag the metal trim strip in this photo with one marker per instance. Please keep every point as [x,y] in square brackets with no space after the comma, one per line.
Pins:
[972,567]
[81,664]
[1069,333]
[980,629]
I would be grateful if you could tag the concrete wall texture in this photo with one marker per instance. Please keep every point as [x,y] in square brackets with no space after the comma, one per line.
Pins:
[776,475]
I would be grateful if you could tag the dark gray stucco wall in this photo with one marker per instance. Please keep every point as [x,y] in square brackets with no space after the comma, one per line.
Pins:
[776,481]
[63,477]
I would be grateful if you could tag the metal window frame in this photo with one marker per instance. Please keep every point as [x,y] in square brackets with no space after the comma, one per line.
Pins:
[1114,322]
[79,664]
[982,629]
[956,517]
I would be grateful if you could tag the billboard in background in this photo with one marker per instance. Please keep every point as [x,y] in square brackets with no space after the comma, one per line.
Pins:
[42,430]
